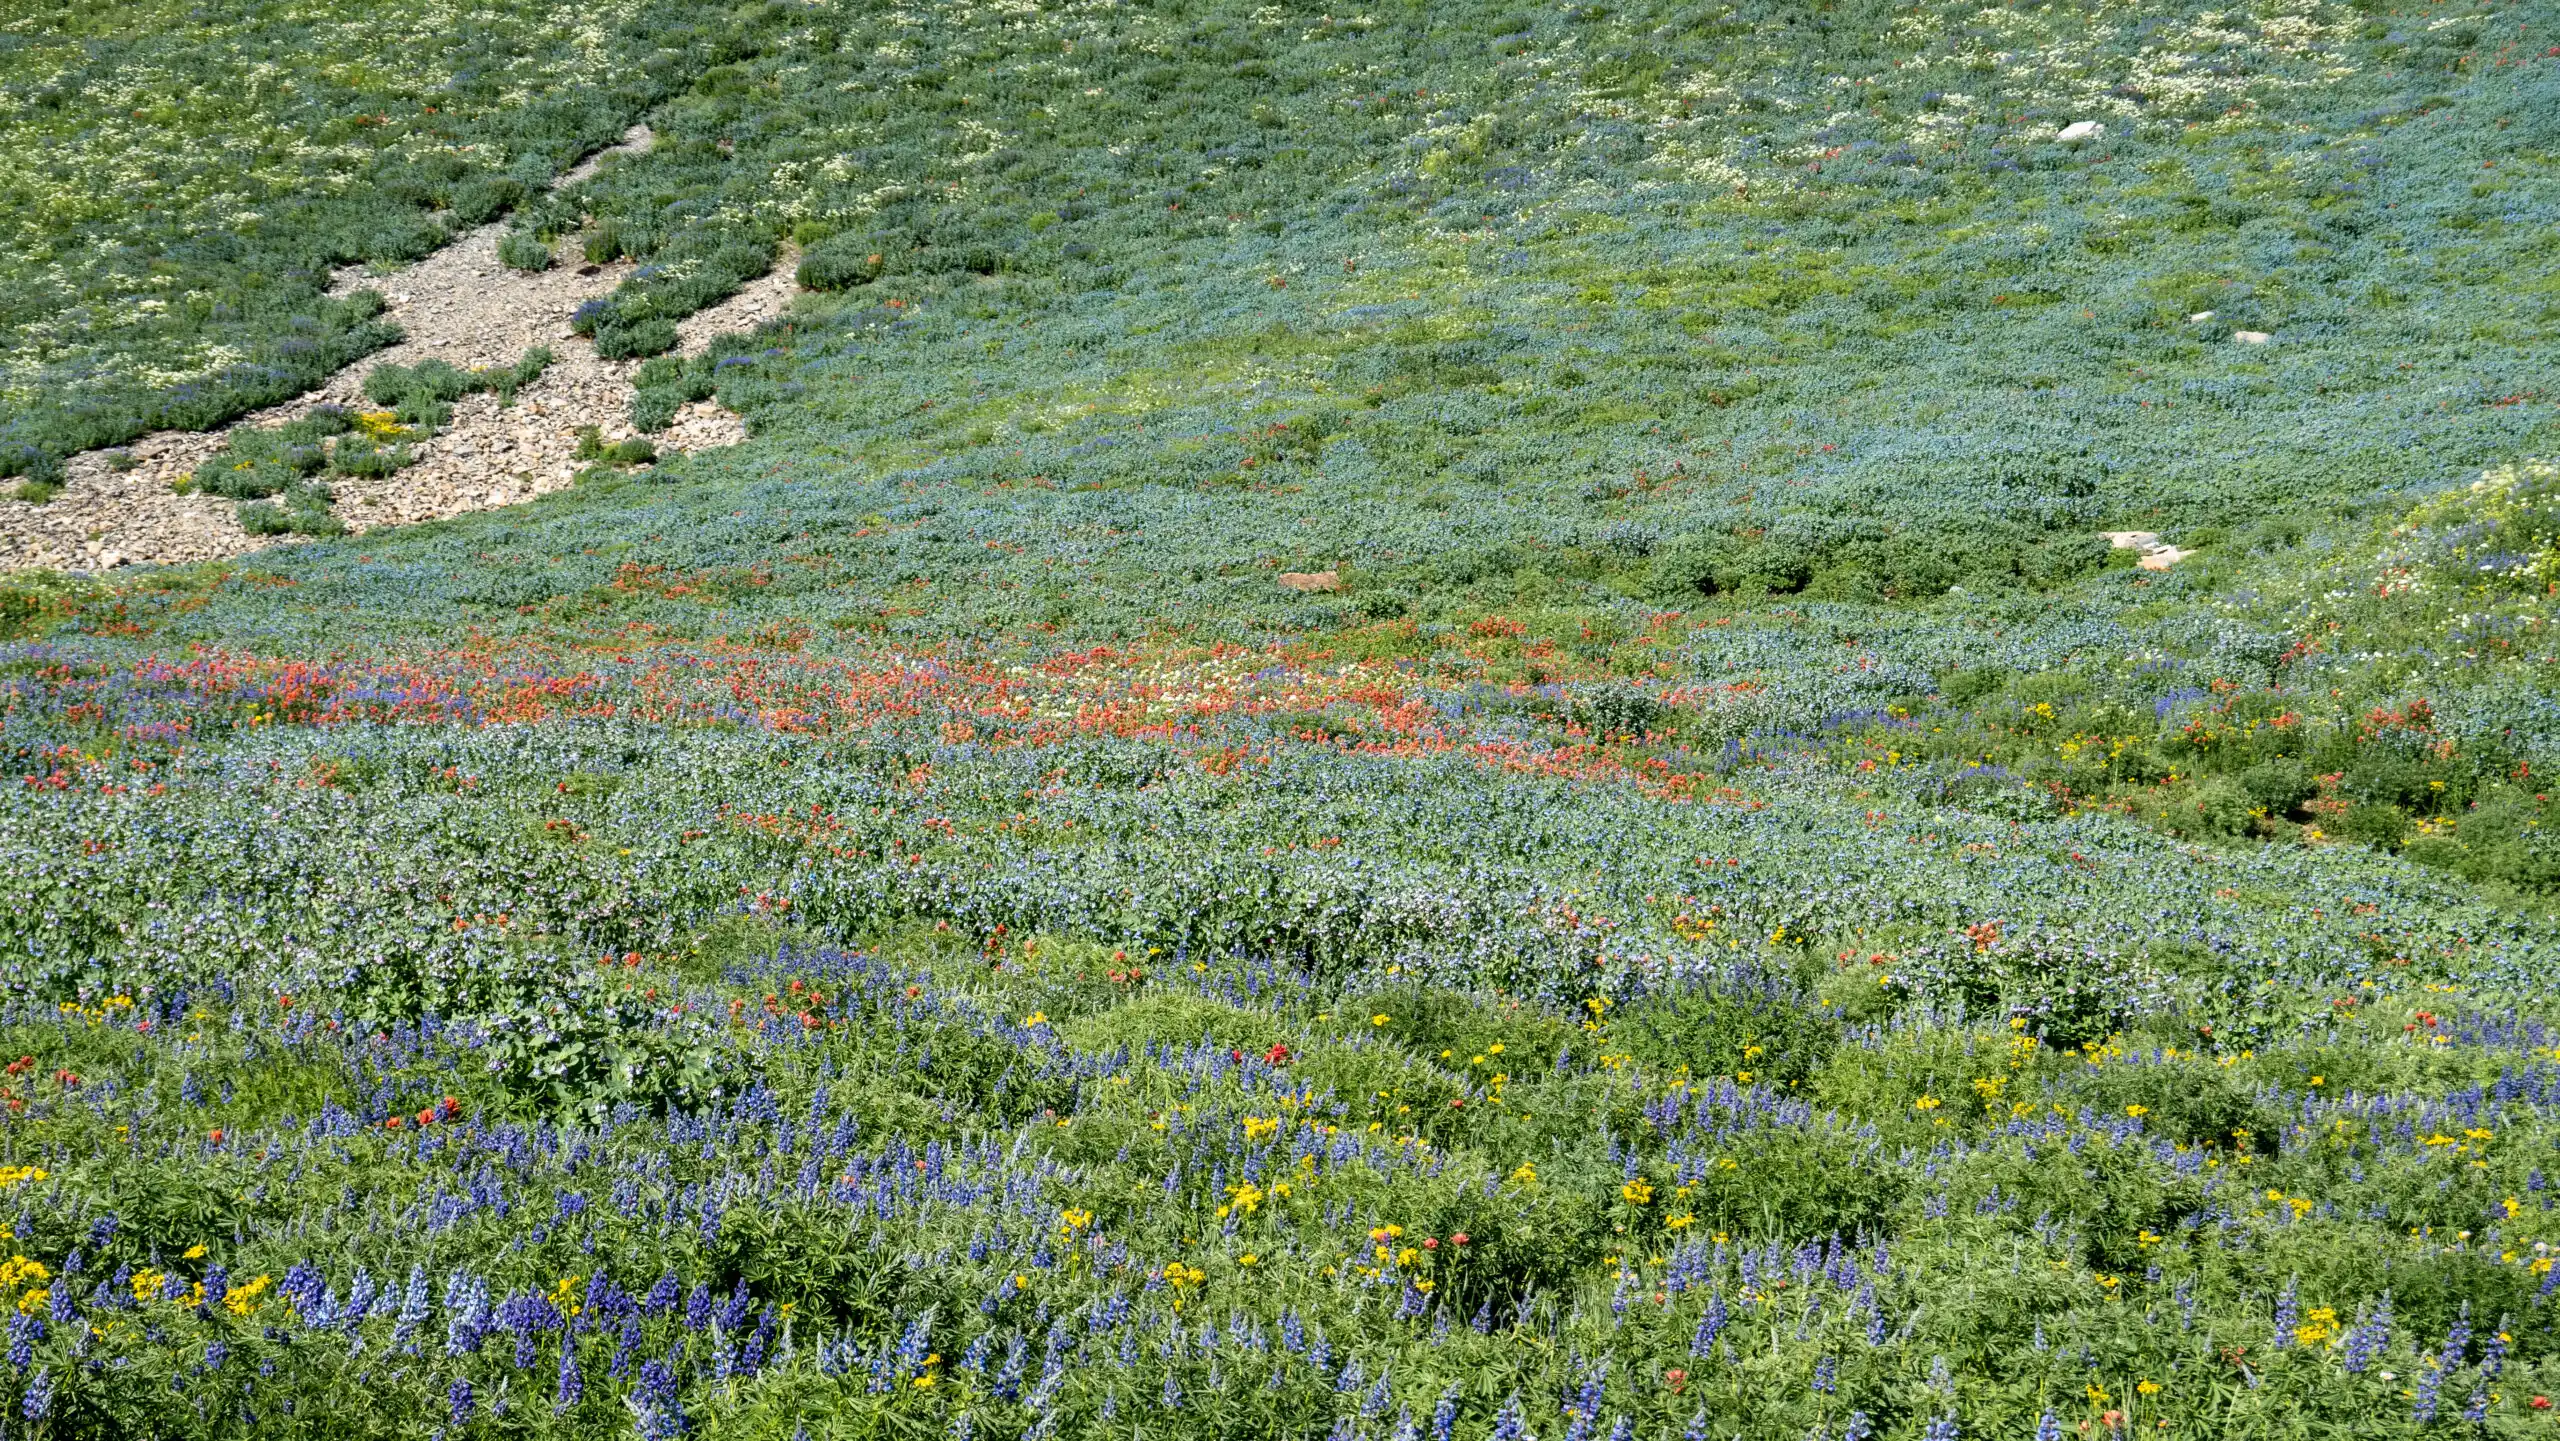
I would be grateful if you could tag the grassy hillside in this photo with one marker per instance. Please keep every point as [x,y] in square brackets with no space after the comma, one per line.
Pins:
[1740,917]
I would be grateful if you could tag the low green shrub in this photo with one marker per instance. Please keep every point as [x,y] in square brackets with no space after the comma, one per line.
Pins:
[1760,1029]
[628,341]
[667,384]
[602,245]
[522,250]
[839,266]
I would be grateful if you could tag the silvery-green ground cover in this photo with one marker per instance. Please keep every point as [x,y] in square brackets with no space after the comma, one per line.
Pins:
[1740,917]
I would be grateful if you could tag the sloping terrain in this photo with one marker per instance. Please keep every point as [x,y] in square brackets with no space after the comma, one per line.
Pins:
[1735,910]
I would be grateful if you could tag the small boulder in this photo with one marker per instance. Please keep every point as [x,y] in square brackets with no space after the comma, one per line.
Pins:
[2251,337]
[2081,132]
[2154,553]
[1311,580]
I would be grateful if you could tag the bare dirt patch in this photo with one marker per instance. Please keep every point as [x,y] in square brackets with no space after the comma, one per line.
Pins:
[459,305]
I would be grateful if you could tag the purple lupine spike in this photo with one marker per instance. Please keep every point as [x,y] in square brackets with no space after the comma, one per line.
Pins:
[1702,1343]
[658,1403]
[664,1296]
[571,1386]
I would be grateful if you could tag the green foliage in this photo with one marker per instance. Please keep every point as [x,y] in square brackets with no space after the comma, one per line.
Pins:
[422,395]
[1741,884]
[839,264]
[2503,533]
[2194,1103]
[1767,1033]
[667,384]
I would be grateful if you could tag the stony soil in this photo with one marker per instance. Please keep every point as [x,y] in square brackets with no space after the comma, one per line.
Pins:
[459,305]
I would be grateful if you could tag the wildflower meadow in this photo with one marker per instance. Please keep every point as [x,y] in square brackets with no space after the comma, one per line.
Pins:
[1406,722]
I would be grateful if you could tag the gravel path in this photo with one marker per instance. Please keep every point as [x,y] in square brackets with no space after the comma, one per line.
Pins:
[459,305]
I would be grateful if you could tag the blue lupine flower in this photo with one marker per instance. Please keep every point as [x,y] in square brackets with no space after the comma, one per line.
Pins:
[2367,1341]
[663,1296]
[1709,1324]
[657,1403]
[2493,1352]
[1374,1404]
[626,1348]
[733,1312]
[2430,1385]
[913,1347]
[1594,1387]
[572,1386]
[459,1400]
[39,1401]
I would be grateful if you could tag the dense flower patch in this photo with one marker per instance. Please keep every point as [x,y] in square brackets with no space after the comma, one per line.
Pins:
[1711,904]
[1536,1098]
[1014,1183]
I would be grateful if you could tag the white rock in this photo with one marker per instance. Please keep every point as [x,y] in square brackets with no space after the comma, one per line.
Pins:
[2081,131]
[2251,337]
[2200,317]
